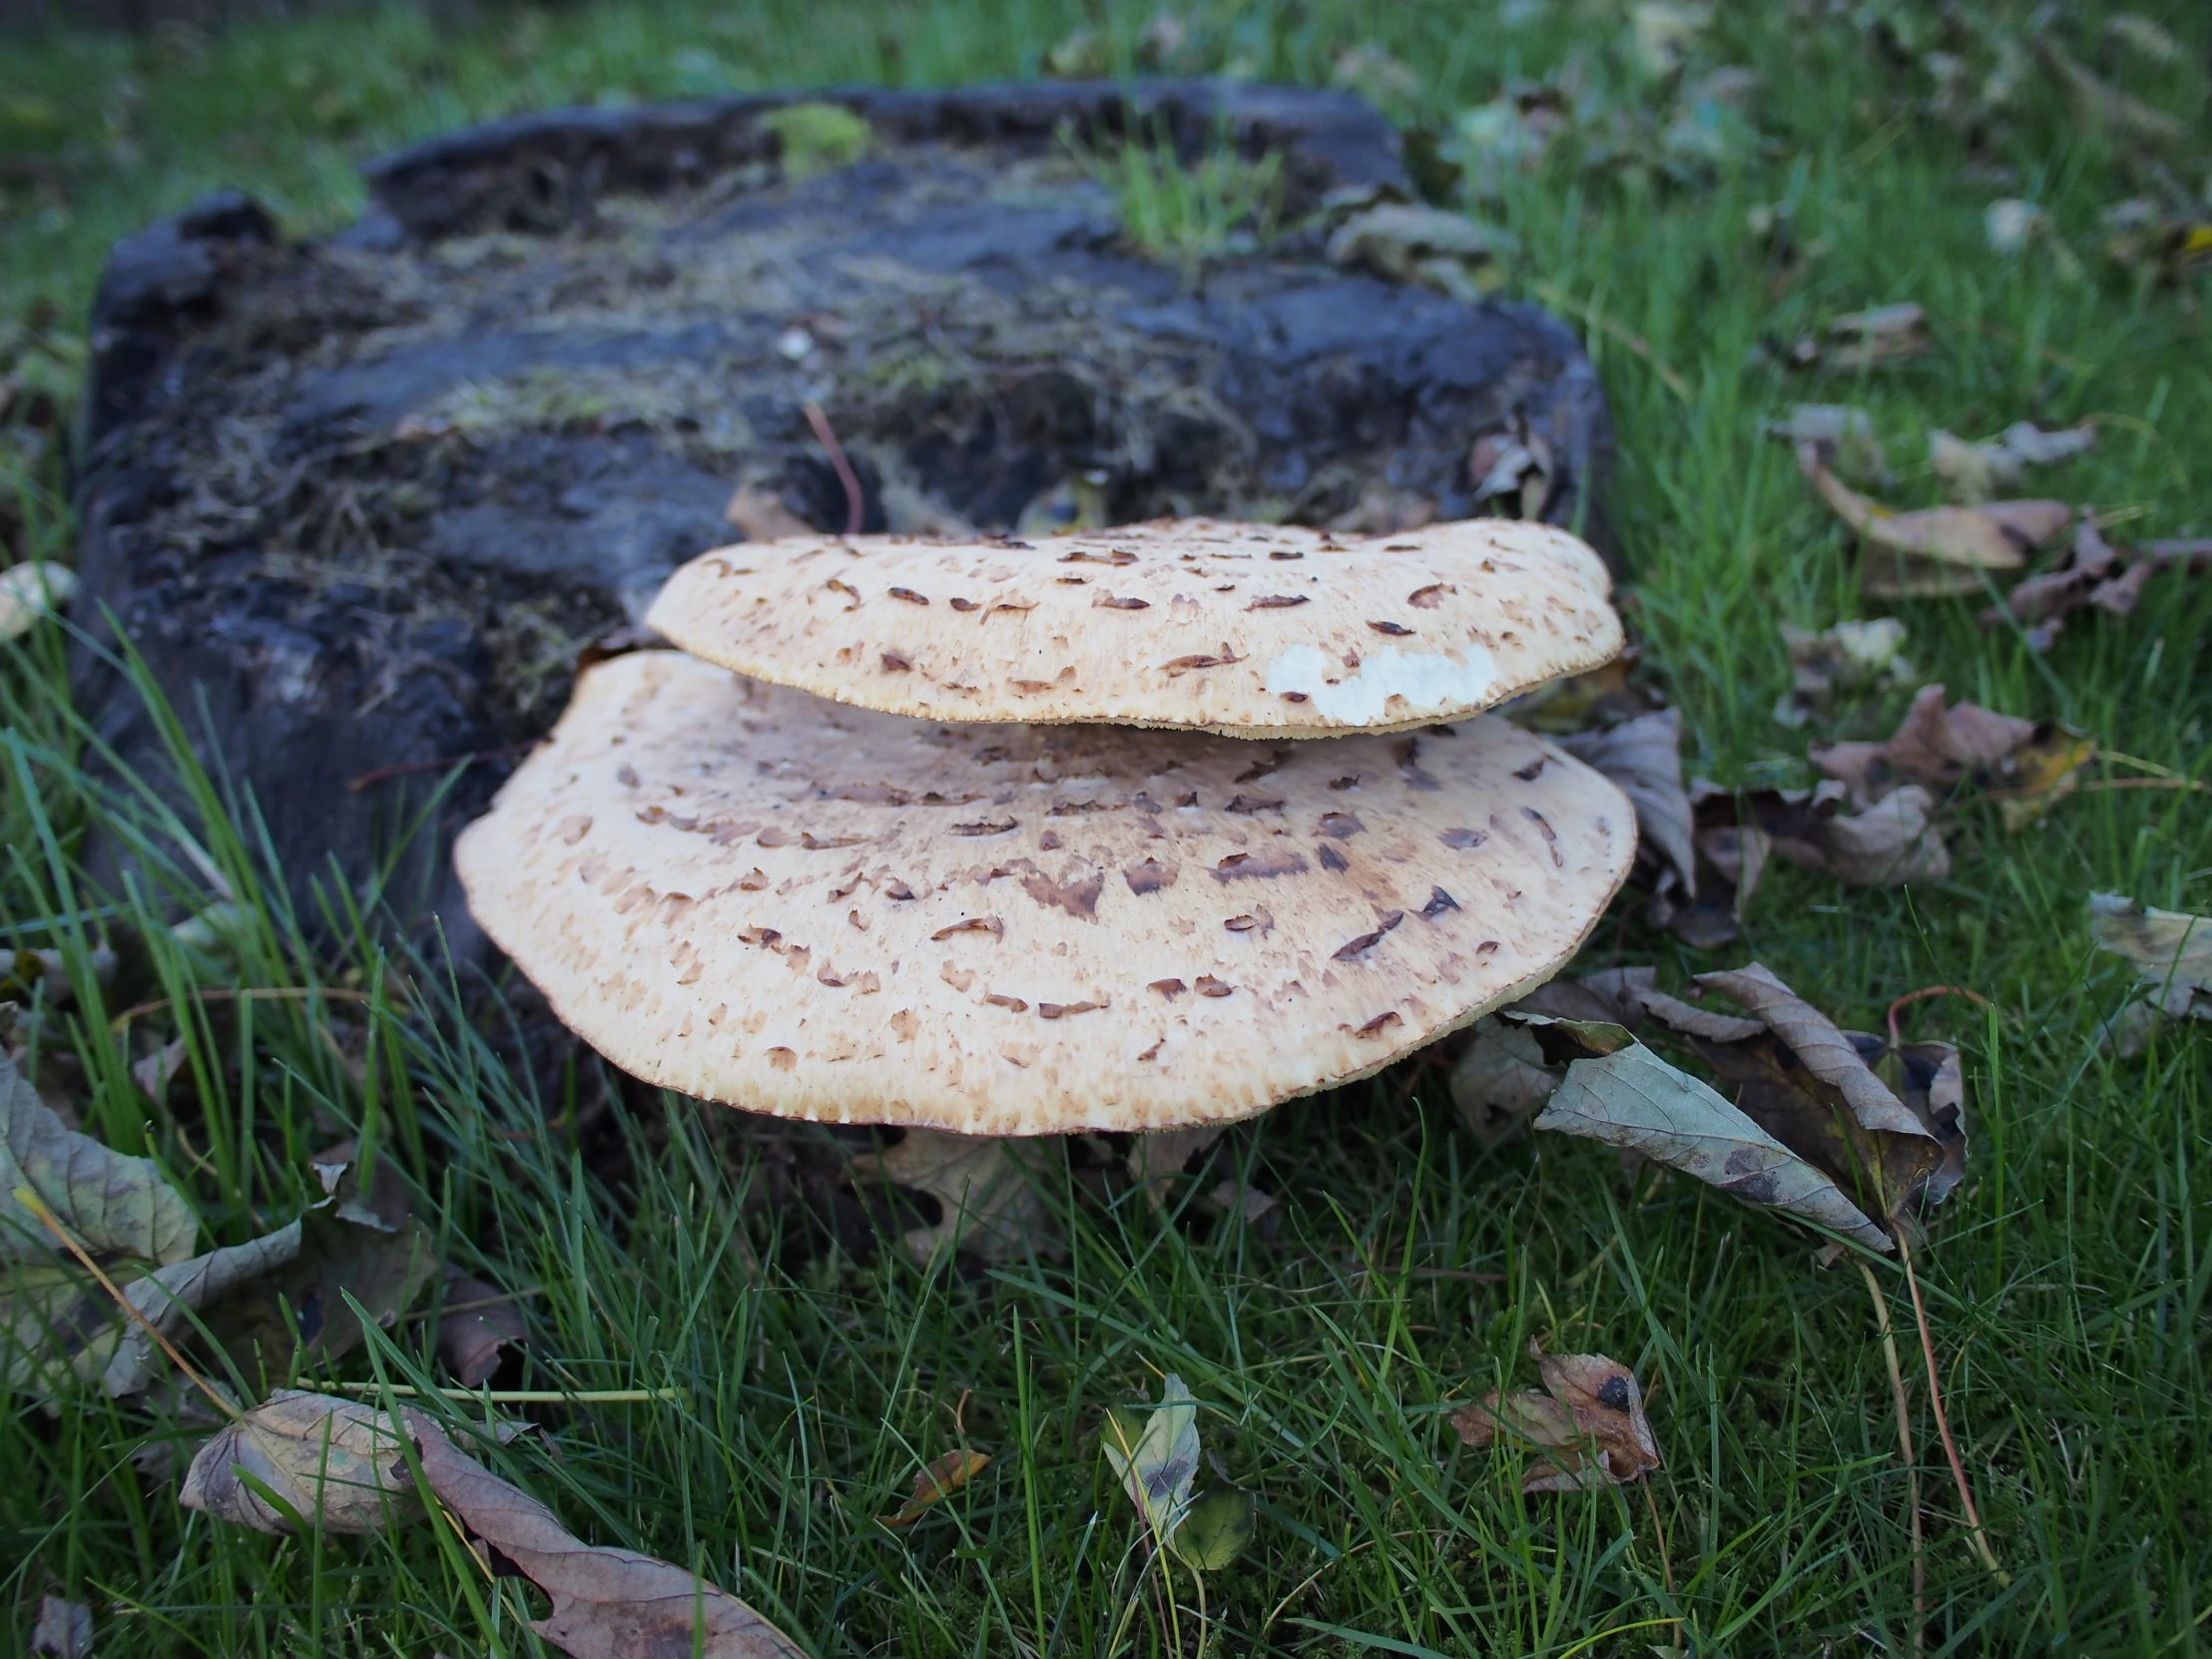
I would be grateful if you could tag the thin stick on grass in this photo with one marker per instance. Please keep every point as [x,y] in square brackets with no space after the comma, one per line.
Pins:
[1922,994]
[1905,1448]
[247,993]
[37,1206]
[843,467]
[1552,295]
[1943,1424]
[517,1396]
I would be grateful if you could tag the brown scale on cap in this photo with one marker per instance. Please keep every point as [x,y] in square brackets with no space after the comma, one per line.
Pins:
[1157,625]
[717,962]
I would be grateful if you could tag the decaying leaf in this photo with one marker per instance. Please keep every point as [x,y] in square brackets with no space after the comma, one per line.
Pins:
[1976,472]
[64,1629]
[31,591]
[475,1321]
[2172,954]
[1849,655]
[1512,469]
[1644,757]
[1156,1457]
[1933,746]
[303,1460]
[2024,765]
[1841,433]
[1409,243]
[607,1603]
[1500,1079]
[1866,340]
[2093,576]
[1215,1530]
[1935,551]
[270,1322]
[1592,1408]
[1157,1158]
[1620,1092]
[1811,1087]
[937,1480]
[115,1205]
[989,1199]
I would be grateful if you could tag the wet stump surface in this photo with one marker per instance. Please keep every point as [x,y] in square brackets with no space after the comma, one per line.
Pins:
[363,503]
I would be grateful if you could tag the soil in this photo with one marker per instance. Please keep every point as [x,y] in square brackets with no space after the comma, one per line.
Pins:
[363,503]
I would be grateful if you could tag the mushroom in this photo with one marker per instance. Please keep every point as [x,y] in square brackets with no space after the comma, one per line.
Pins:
[1248,630]
[754,894]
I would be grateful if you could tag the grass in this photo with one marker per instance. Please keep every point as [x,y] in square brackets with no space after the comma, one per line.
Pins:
[663,1244]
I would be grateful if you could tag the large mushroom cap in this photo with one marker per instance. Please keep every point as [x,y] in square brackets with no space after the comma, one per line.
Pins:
[1246,630]
[755,895]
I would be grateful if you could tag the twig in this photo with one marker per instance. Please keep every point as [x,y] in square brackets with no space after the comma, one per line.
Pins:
[37,1206]
[1923,996]
[1552,295]
[520,1396]
[843,467]
[2113,757]
[250,993]
[1904,1450]
[1942,1426]
[443,763]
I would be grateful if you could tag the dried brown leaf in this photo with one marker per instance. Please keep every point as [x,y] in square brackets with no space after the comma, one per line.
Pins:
[1809,1085]
[937,1480]
[989,1200]
[1936,550]
[305,1460]
[1594,1409]
[475,1321]
[1644,757]
[607,1603]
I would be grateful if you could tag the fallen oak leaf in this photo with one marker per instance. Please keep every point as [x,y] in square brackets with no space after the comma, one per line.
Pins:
[1622,1094]
[1594,1406]
[937,1480]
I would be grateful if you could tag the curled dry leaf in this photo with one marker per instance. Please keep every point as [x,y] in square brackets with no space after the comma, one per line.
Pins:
[607,1603]
[1644,757]
[1841,434]
[303,1461]
[64,1629]
[1935,551]
[2094,575]
[1866,340]
[2024,765]
[1500,1079]
[937,1480]
[2172,954]
[1157,1158]
[1976,472]
[1847,657]
[1592,1407]
[475,1321]
[1812,1088]
[987,1193]
[1621,1093]
[1156,1457]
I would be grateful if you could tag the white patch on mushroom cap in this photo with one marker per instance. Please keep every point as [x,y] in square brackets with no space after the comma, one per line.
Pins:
[1361,696]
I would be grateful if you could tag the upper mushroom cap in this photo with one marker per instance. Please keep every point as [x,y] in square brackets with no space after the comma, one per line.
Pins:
[1246,630]
[755,895]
